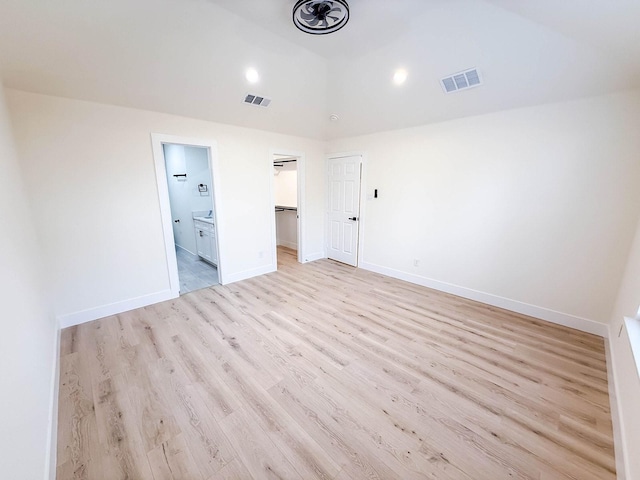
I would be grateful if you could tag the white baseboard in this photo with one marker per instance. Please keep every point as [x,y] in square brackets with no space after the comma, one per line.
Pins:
[84,316]
[239,276]
[52,451]
[565,319]
[185,249]
[616,413]
[292,245]
[314,256]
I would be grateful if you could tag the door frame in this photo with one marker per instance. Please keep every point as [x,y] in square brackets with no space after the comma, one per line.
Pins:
[157,142]
[363,200]
[301,168]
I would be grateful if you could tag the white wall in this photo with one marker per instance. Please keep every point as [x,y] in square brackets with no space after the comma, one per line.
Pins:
[185,198]
[285,186]
[92,184]
[536,205]
[627,381]
[29,336]
[287,229]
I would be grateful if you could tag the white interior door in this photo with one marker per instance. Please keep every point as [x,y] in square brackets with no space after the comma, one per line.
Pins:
[344,209]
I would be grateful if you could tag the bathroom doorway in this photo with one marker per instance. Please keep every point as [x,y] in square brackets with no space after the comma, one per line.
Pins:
[186,184]
[191,202]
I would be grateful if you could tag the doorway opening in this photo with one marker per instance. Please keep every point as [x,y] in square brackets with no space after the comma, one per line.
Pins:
[288,185]
[193,222]
[186,184]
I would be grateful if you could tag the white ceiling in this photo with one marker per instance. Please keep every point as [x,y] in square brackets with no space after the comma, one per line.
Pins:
[372,24]
[188,57]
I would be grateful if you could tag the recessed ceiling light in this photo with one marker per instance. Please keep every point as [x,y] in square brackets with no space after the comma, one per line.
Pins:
[400,76]
[252,75]
[333,117]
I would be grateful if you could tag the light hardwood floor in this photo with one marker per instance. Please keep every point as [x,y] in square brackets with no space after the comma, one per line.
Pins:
[322,371]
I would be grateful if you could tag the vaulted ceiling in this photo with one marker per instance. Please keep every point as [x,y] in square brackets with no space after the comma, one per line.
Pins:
[189,57]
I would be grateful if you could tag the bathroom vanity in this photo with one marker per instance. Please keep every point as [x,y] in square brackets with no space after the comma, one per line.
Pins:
[206,243]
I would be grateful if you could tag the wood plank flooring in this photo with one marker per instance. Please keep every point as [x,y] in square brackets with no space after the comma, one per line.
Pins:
[323,371]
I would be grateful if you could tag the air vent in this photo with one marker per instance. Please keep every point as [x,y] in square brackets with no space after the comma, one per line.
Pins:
[256,100]
[461,81]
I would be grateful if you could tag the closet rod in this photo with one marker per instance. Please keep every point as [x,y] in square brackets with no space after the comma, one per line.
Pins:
[284,161]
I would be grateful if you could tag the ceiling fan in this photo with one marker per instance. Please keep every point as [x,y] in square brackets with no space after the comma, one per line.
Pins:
[320,17]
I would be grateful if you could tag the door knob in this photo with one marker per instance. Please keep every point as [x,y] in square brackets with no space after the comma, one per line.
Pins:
[353,218]
[177,221]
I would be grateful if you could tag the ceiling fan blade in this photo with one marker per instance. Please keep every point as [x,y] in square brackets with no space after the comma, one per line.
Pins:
[307,16]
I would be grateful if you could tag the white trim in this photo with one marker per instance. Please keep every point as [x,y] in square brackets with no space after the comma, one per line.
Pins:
[157,142]
[272,210]
[165,212]
[76,318]
[186,250]
[565,319]
[363,206]
[633,331]
[218,210]
[315,256]
[300,192]
[620,451]
[255,272]
[302,186]
[345,154]
[52,450]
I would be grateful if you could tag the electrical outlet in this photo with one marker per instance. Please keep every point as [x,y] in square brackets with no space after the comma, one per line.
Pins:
[416,262]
